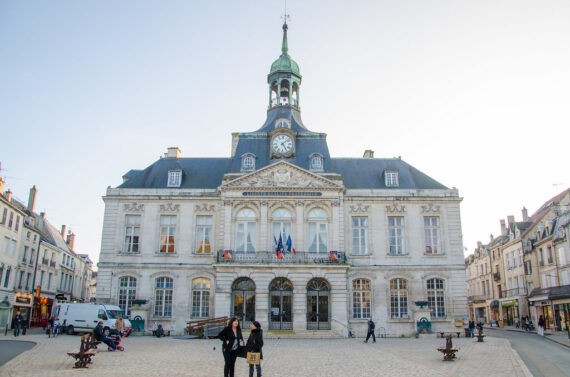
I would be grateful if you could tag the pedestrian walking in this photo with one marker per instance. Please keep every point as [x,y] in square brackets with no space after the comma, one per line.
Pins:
[255,344]
[231,337]
[541,326]
[18,320]
[472,328]
[371,327]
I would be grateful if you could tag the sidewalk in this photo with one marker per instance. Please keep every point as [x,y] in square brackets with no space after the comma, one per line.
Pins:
[560,337]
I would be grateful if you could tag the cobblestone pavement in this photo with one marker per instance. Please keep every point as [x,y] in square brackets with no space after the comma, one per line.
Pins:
[148,356]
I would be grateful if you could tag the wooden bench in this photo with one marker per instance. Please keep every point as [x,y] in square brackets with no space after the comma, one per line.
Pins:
[207,328]
[93,342]
[448,351]
[85,353]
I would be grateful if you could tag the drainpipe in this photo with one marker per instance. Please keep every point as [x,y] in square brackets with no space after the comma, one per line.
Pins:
[34,282]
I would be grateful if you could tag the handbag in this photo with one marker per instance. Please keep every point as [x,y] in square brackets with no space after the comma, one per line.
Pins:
[241,351]
[253,358]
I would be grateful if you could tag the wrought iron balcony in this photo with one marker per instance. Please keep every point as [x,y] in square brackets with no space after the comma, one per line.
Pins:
[52,263]
[270,257]
[513,292]
[44,261]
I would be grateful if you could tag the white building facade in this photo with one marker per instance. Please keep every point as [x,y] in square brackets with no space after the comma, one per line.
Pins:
[355,238]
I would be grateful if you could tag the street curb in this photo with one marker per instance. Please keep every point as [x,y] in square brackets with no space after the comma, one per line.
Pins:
[556,341]
[521,363]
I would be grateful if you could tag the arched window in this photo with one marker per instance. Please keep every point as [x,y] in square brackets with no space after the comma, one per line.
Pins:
[281,226]
[316,162]
[360,298]
[436,297]
[200,298]
[281,304]
[246,231]
[127,293]
[243,301]
[318,305]
[247,162]
[295,95]
[284,95]
[317,231]
[163,297]
[398,298]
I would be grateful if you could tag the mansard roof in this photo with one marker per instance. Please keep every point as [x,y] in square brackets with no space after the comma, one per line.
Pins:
[207,173]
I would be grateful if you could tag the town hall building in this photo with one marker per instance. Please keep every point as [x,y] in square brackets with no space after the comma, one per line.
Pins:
[285,234]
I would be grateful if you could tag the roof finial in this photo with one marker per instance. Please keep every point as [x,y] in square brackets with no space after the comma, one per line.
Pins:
[285,17]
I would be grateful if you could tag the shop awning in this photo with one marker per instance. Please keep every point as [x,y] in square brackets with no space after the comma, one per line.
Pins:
[557,293]
[510,303]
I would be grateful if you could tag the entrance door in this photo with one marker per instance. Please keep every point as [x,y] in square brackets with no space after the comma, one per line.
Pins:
[281,304]
[243,301]
[318,305]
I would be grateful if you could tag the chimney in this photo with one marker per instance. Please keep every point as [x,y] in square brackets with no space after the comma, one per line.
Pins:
[511,220]
[8,195]
[71,240]
[63,229]
[1,185]
[369,153]
[503,227]
[235,139]
[479,244]
[173,152]
[491,238]
[32,198]
[525,214]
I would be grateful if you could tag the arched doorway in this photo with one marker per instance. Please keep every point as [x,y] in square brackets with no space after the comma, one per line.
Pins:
[243,301]
[318,305]
[281,304]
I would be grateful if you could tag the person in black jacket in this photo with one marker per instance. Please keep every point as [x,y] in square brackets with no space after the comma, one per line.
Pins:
[371,327]
[254,344]
[100,336]
[231,337]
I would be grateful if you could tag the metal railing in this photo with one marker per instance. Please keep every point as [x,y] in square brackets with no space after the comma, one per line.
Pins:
[52,263]
[513,292]
[44,261]
[270,257]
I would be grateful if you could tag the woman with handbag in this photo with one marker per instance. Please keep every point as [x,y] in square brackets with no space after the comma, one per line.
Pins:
[230,336]
[254,345]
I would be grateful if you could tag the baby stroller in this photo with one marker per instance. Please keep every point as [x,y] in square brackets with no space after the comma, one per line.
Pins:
[117,339]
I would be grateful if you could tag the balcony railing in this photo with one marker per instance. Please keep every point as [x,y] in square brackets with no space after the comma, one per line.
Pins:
[477,298]
[44,261]
[269,257]
[52,263]
[513,292]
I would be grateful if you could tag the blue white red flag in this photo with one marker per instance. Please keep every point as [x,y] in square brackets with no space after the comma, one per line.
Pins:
[228,254]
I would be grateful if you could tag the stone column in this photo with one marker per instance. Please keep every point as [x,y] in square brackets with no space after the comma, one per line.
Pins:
[335,224]
[261,308]
[299,308]
[299,241]
[226,228]
[263,226]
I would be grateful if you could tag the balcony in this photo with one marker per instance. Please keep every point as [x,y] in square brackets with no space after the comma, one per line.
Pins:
[52,263]
[513,292]
[45,261]
[477,298]
[269,257]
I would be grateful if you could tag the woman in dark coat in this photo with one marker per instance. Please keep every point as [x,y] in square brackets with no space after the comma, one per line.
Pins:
[255,344]
[231,337]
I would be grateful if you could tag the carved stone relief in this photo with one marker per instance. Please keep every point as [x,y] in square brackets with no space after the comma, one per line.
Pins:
[396,208]
[205,208]
[133,207]
[430,208]
[169,207]
[359,208]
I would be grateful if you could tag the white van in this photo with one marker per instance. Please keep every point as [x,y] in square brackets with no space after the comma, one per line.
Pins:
[84,317]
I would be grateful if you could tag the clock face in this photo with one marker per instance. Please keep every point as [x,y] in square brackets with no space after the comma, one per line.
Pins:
[282,144]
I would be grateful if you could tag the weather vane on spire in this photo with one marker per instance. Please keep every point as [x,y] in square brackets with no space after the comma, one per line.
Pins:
[285,16]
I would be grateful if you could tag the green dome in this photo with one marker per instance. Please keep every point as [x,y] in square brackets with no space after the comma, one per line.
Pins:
[285,64]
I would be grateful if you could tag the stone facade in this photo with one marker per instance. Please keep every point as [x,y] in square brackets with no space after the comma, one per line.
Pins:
[197,238]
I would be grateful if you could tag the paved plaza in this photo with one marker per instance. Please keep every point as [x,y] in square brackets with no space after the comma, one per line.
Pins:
[149,356]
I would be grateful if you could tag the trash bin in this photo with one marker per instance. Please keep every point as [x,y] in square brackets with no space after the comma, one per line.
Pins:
[467,332]
[500,323]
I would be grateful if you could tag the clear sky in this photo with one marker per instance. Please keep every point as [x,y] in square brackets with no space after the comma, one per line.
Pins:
[475,94]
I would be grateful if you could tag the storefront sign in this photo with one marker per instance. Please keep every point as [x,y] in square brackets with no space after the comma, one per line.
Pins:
[22,299]
[510,303]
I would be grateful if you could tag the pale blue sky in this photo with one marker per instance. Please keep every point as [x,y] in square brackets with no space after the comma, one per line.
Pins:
[473,93]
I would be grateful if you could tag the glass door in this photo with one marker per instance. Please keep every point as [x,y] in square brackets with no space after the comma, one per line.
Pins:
[318,305]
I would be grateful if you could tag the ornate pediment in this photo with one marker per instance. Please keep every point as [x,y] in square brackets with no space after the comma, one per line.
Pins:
[282,175]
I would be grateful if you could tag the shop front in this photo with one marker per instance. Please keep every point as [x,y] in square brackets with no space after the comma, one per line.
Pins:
[510,309]
[560,297]
[495,312]
[42,310]
[23,304]
[480,312]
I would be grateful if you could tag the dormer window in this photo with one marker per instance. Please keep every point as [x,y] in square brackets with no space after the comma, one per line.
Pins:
[316,162]
[174,178]
[247,163]
[391,178]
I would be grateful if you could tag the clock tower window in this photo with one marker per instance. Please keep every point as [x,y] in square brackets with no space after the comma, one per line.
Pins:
[247,162]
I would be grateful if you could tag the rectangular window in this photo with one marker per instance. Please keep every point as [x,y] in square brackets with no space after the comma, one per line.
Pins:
[391,178]
[431,228]
[167,228]
[28,281]
[396,231]
[13,247]
[203,234]
[361,299]
[317,237]
[20,281]
[41,282]
[49,281]
[7,278]
[246,236]
[4,216]
[25,254]
[436,298]
[11,221]
[6,246]
[17,226]
[200,298]
[398,298]
[359,235]
[550,258]
[163,297]
[132,233]
[541,256]
[174,178]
